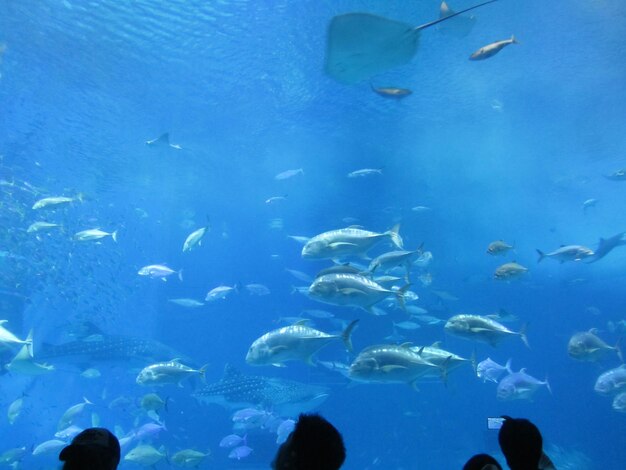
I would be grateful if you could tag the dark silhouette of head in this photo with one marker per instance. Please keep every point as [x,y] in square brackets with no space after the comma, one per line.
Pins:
[93,449]
[314,444]
[482,462]
[521,443]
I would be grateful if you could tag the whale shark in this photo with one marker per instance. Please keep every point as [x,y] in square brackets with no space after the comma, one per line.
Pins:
[281,396]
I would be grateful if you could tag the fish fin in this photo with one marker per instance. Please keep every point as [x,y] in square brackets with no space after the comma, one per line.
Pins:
[400,295]
[335,245]
[508,366]
[279,364]
[618,349]
[473,361]
[414,386]
[436,344]
[180,275]
[391,367]
[394,234]
[114,236]
[522,334]
[346,336]
[541,255]
[304,321]
[513,40]
[548,385]
[202,371]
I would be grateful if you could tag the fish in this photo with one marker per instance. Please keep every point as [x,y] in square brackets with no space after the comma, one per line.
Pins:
[365,172]
[491,371]
[41,226]
[618,175]
[145,455]
[189,303]
[257,289]
[6,337]
[498,247]
[567,253]
[101,347]
[240,452]
[233,440]
[289,174]
[220,292]
[284,397]
[605,246]
[12,457]
[94,234]
[15,409]
[153,402]
[159,271]
[347,242]
[492,49]
[589,203]
[480,328]
[284,429]
[361,45]
[345,268]
[391,92]
[275,199]
[389,363]
[294,342]
[69,432]
[164,141]
[611,381]
[188,458]
[194,239]
[421,209]
[299,275]
[53,446]
[406,325]
[55,201]
[509,271]
[352,290]
[444,361]
[72,413]
[519,386]
[392,259]
[619,402]
[587,346]
[318,313]
[172,372]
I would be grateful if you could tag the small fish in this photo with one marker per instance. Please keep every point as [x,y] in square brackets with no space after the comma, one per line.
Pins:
[509,271]
[492,49]
[498,247]
[188,458]
[91,373]
[233,440]
[619,402]
[619,175]
[589,203]
[240,452]
[15,409]
[41,226]
[421,209]
[152,402]
[189,303]
[195,238]
[391,92]
[94,234]
[365,172]
[220,292]
[68,433]
[519,386]
[159,271]
[491,371]
[257,289]
[289,174]
[275,199]
[72,413]
[145,455]
[52,446]
[54,201]
[406,325]
[284,429]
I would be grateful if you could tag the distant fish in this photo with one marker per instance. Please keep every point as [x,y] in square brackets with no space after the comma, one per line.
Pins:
[421,209]
[611,381]
[275,199]
[240,452]
[304,277]
[365,172]
[55,201]
[480,328]
[172,372]
[589,203]
[289,174]
[567,253]
[72,413]
[284,429]
[15,409]
[619,402]
[391,92]
[220,292]
[94,234]
[195,238]
[41,226]
[509,271]
[619,175]
[257,289]
[498,247]
[163,140]
[587,346]
[492,49]
[53,446]
[232,440]
[159,271]
[189,303]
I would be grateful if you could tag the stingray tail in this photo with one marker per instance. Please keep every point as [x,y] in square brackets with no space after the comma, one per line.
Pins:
[432,23]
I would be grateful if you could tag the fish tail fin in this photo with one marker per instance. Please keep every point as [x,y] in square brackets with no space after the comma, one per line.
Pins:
[346,336]
[513,40]
[473,361]
[400,296]
[31,349]
[180,274]
[394,234]
[202,371]
[508,366]
[541,255]
[80,197]
[87,402]
[618,349]
[114,236]
[548,385]
[522,334]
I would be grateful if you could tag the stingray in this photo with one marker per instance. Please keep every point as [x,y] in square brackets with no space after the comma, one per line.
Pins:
[361,45]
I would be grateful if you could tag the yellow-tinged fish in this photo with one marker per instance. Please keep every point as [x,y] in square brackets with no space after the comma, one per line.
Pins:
[391,92]
[509,271]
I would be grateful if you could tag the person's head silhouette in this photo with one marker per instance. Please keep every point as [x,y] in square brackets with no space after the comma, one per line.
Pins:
[93,449]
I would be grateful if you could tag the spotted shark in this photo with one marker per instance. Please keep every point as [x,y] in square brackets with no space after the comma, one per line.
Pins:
[102,347]
[281,396]
[606,245]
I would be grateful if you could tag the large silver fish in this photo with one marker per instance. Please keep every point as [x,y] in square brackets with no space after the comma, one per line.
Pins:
[294,342]
[587,346]
[352,290]
[284,397]
[347,242]
[519,386]
[567,253]
[483,329]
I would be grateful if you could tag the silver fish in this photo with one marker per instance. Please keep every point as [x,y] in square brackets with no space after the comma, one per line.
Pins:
[172,372]
[480,328]
[195,239]
[611,381]
[519,386]
[567,253]
[159,271]
[347,242]
[94,234]
[289,174]
[491,371]
[587,346]
[189,303]
[365,172]
[492,49]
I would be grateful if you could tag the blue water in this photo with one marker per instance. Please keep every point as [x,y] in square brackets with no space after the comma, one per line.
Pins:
[506,148]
